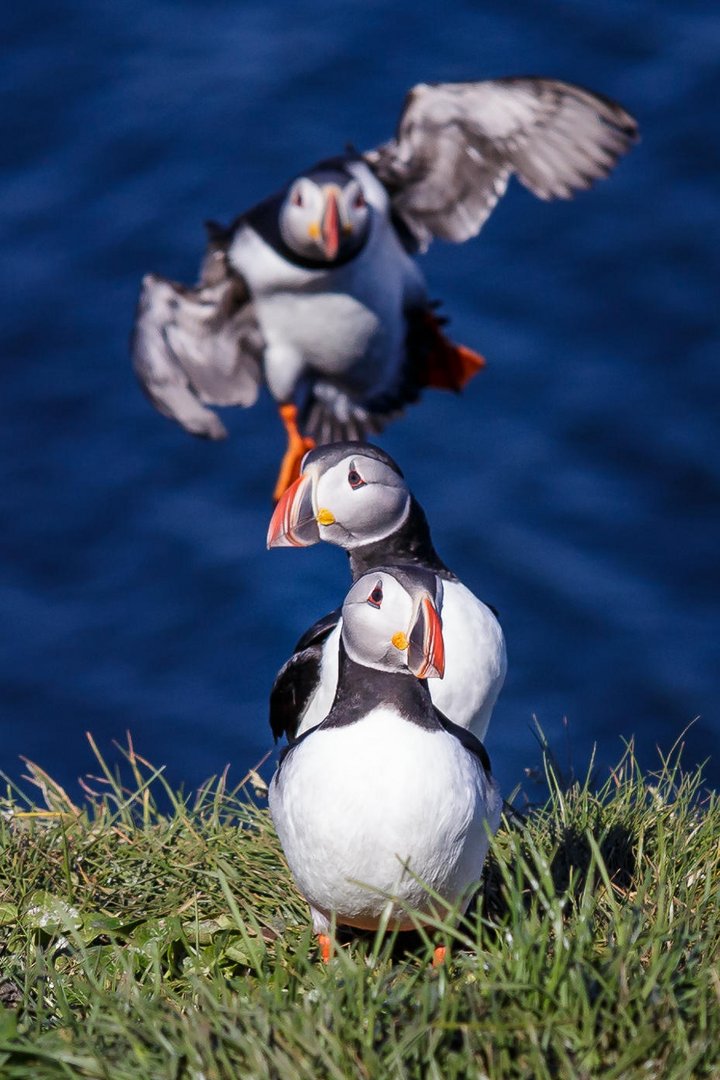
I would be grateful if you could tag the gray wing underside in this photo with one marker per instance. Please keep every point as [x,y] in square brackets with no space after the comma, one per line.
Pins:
[194,347]
[458,144]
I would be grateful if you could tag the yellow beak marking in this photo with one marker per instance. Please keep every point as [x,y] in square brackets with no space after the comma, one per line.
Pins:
[325,517]
[400,641]
[314,231]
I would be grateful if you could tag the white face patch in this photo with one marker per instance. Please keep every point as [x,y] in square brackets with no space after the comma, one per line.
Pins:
[300,215]
[303,218]
[376,610]
[367,499]
[354,209]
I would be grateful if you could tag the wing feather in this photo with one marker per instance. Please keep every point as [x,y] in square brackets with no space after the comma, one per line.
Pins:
[194,347]
[457,144]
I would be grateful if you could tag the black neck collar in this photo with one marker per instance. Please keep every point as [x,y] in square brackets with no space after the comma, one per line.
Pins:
[360,690]
[411,544]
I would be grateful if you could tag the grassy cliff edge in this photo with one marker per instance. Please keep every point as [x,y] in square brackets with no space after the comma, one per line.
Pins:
[145,935]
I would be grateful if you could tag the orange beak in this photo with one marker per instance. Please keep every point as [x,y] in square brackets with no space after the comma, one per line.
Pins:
[331,225]
[426,654]
[293,522]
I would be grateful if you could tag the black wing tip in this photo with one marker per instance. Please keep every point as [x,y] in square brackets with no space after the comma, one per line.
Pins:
[278,730]
[625,127]
[612,111]
[280,724]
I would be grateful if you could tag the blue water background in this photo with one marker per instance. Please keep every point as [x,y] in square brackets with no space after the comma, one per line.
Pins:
[575,485]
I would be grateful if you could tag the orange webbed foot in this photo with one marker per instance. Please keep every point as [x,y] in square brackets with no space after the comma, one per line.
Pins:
[439,954]
[325,946]
[297,447]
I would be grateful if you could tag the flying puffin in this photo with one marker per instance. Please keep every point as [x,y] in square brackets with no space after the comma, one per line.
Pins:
[386,797]
[355,496]
[315,290]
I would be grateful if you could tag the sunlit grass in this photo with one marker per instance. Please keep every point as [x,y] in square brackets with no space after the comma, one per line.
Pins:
[146,935]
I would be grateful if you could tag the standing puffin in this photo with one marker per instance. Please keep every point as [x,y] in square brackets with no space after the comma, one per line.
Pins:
[385,798]
[354,495]
[315,290]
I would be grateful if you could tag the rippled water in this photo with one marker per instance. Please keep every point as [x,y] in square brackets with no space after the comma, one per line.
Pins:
[575,485]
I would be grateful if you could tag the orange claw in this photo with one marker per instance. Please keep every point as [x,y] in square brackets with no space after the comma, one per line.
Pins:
[439,954]
[297,447]
[325,947]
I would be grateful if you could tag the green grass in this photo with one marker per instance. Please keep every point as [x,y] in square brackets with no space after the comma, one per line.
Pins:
[139,942]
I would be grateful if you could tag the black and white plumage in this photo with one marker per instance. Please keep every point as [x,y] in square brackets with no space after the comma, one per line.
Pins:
[355,496]
[314,291]
[385,798]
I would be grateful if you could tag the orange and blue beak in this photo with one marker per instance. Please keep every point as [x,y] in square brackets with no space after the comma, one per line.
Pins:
[426,648]
[293,523]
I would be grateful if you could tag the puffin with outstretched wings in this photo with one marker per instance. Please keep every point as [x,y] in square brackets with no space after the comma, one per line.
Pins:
[315,291]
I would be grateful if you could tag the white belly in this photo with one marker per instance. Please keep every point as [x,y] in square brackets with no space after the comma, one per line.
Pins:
[475,665]
[345,323]
[337,334]
[363,811]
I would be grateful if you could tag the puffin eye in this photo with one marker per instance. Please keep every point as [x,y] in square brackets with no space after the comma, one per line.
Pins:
[359,201]
[297,199]
[355,480]
[375,598]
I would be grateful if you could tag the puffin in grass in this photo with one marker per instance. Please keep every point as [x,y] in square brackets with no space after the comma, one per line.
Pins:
[316,293]
[385,809]
[355,496]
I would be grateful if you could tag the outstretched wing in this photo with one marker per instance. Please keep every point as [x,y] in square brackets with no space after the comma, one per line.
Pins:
[193,347]
[457,144]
